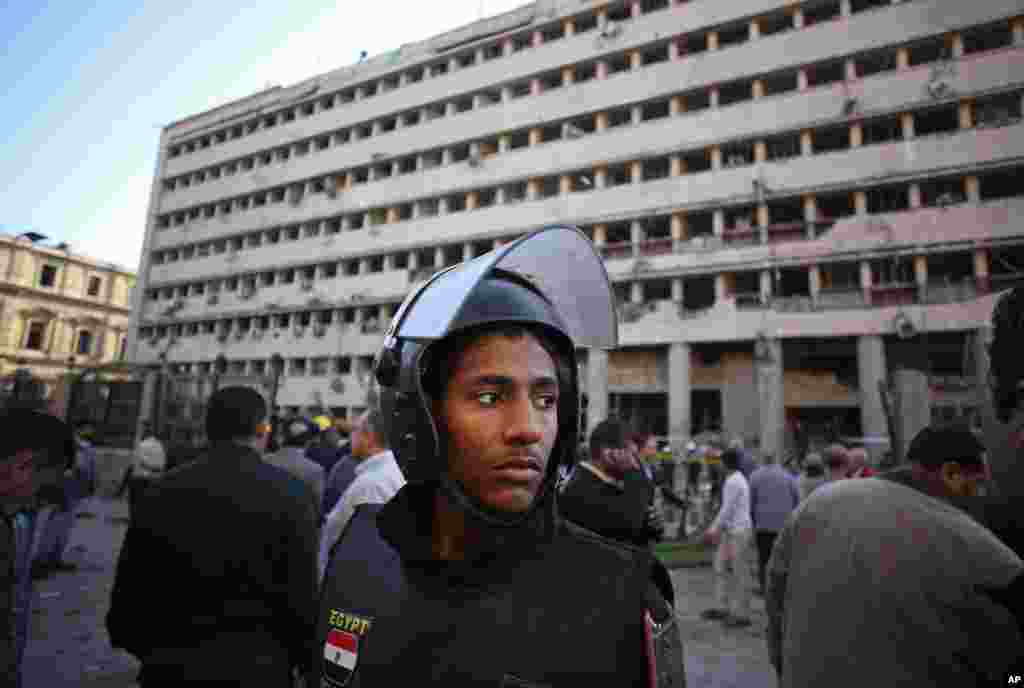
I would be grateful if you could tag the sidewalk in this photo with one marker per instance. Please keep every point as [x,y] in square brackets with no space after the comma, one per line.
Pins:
[68,645]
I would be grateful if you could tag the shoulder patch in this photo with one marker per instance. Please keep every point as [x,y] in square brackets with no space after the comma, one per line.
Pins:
[346,632]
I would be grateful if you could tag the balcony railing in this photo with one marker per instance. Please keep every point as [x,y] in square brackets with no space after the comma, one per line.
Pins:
[787,231]
[840,298]
[749,301]
[894,294]
[622,249]
[656,247]
[948,293]
[741,236]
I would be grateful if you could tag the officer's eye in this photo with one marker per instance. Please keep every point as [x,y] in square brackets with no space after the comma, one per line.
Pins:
[547,402]
[487,398]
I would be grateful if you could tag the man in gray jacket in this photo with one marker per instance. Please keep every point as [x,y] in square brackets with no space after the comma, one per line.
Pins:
[298,434]
[773,496]
[884,582]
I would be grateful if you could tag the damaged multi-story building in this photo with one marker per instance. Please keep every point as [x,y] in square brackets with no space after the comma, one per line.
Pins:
[793,200]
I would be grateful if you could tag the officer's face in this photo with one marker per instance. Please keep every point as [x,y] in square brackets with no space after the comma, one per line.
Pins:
[500,411]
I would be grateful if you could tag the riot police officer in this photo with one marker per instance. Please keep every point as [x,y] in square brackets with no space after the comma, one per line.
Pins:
[468,576]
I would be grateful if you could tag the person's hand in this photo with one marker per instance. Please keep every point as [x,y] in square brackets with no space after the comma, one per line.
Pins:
[620,461]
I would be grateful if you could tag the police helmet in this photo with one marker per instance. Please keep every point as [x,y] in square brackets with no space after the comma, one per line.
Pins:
[551,281]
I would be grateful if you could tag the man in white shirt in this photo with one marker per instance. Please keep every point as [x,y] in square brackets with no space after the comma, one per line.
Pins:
[732,530]
[377,480]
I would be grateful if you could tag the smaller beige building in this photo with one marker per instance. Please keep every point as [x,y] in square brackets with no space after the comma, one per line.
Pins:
[60,312]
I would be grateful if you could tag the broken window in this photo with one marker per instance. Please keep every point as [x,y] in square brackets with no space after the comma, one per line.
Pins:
[998,110]
[831,139]
[618,64]
[655,54]
[865,5]
[698,293]
[733,35]
[817,13]
[1003,183]
[823,74]
[776,22]
[654,110]
[656,168]
[991,37]
[882,130]
[876,62]
[888,199]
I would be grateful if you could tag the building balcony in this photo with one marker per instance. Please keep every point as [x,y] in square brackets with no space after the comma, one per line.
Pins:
[656,247]
[623,249]
[894,294]
[840,298]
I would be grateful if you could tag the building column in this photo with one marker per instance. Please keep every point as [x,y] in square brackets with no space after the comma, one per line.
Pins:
[568,76]
[678,230]
[866,279]
[850,70]
[568,28]
[414,261]
[907,125]
[814,282]
[806,143]
[534,136]
[856,135]
[913,405]
[439,257]
[771,400]
[600,177]
[601,121]
[802,82]
[601,70]
[973,188]
[677,290]
[956,43]
[860,203]
[597,387]
[679,396]
[467,251]
[845,8]
[636,292]
[810,215]
[718,222]
[902,58]
[965,114]
[914,195]
[871,371]
[921,275]
[765,283]
[1017,25]
[600,235]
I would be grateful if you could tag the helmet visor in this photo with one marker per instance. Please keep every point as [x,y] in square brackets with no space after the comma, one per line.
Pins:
[560,261]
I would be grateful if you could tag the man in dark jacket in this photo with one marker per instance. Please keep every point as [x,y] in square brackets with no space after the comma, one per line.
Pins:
[609,494]
[468,576]
[216,584]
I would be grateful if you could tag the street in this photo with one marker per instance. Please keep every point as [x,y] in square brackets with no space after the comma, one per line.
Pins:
[68,644]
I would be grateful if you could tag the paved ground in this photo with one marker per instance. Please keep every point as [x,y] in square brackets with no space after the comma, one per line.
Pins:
[68,645]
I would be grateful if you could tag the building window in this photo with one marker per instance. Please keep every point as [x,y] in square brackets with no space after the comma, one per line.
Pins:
[36,333]
[48,276]
[94,286]
[84,342]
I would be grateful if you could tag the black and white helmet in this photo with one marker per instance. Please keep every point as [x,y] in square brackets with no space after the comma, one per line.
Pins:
[552,280]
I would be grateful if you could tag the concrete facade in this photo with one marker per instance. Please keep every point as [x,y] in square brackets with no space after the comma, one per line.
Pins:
[60,311]
[866,176]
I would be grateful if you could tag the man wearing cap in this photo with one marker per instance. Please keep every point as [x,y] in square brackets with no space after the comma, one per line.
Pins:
[298,434]
[216,581]
[469,576]
[884,581]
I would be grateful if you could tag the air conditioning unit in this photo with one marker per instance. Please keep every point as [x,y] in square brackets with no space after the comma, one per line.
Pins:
[257,333]
[938,89]
[474,159]
[306,285]
[338,385]
[319,330]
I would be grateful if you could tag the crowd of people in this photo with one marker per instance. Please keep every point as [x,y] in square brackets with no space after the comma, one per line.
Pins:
[459,536]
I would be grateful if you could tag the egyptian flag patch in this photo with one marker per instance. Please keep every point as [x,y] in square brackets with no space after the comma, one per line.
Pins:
[341,652]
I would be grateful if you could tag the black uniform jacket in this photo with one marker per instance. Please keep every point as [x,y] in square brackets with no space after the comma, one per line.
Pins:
[613,509]
[543,605]
[217,576]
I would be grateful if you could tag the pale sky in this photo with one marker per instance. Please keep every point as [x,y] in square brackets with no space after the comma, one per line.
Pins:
[86,87]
